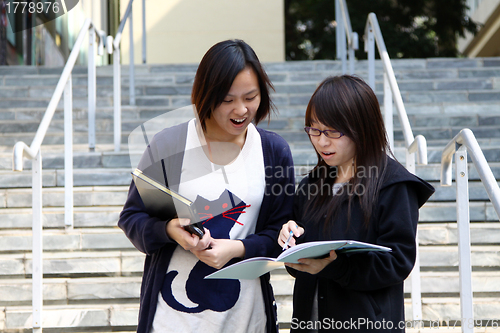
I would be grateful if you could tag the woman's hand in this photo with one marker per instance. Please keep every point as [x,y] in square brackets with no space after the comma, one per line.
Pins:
[175,230]
[291,226]
[313,266]
[221,251]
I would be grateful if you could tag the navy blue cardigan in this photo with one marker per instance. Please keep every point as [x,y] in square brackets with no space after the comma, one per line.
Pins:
[148,234]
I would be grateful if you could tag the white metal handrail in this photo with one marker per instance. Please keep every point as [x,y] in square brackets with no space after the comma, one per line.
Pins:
[391,89]
[33,152]
[417,144]
[343,31]
[467,138]
[114,48]
[465,141]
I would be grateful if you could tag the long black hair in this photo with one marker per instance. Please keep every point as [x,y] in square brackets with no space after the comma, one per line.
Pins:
[347,104]
[216,73]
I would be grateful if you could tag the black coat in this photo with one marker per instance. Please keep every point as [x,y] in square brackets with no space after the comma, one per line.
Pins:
[362,292]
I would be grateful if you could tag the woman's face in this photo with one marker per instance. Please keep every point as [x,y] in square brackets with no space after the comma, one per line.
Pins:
[229,121]
[335,152]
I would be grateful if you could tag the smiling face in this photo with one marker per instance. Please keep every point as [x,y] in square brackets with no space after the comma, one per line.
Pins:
[335,152]
[229,121]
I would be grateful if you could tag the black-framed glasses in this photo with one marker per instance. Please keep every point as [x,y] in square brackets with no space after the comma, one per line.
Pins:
[328,133]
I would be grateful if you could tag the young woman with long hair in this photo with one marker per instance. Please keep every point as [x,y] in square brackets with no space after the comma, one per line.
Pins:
[355,192]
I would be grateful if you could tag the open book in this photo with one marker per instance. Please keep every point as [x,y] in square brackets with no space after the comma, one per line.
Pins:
[252,268]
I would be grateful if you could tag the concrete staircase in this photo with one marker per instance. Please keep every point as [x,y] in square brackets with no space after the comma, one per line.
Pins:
[93,273]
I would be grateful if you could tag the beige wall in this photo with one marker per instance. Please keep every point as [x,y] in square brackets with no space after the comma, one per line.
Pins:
[181,31]
[487,41]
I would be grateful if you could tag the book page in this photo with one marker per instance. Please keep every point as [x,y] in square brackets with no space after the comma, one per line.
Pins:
[309,250]
[247,269]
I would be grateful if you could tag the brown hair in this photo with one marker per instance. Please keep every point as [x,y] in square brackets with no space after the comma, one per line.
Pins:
[216,73]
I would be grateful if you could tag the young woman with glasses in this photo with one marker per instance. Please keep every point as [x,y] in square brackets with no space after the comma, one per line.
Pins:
[355,192]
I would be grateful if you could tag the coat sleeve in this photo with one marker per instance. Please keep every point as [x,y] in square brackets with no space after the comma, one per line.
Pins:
[396,218]
[299,202]
[147,233]
[277,203]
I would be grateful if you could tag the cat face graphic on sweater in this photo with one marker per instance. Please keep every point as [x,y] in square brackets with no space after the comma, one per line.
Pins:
[219,216]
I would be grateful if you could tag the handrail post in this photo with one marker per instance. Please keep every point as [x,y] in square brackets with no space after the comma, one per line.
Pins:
[91,88]
[351,60]
[37,260]
[131,65]
[352,47]
[144,31]
[117,93]
[370,49]
[388,112]
[342,44]
[117,72]
[416,287]
[338,19]
[68,154]
[464,248]
[416,293]
[343,32]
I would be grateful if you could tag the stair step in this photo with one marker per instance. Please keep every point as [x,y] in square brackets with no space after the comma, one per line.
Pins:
[53,217]
[436,311]
[33,91]
[81,160]
[105,216]
[54,196]
[124,317]
[125,289]
[130,262]
[112,238]
[9,103]
[446,211]
[95,239]
[405,69]
[447,233]
[447,256]
[302,155]
[433,284]
[418,121]
[92,316]
[81,177]
[75,264]
[71,291]
[477,192]
[432,172]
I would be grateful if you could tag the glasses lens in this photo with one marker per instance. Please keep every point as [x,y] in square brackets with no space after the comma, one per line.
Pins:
[333,134]
[312,131]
